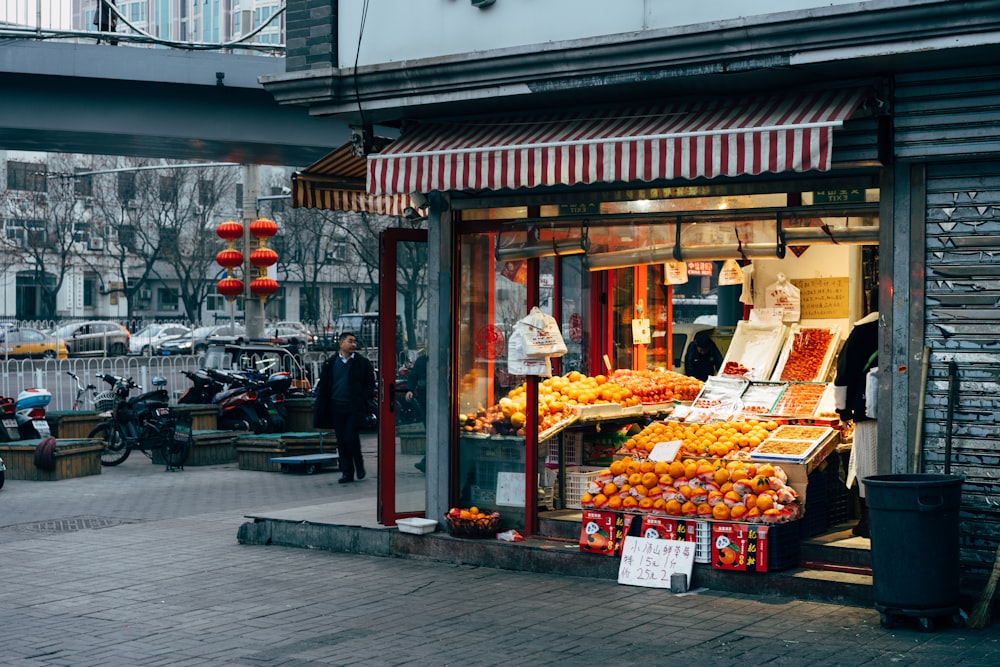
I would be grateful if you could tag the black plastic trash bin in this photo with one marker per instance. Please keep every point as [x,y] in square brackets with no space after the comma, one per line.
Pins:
[914,541]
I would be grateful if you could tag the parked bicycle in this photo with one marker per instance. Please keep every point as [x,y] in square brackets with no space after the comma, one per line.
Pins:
[82,392]
[143,422]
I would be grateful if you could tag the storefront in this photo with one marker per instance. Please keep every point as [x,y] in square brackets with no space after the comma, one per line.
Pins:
[593,216]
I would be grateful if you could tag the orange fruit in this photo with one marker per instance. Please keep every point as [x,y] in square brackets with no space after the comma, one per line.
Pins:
[610,489]
[586,499]
[629,502]
[617,468]
[661,468]
[760,483]
[705,509]
[750,500]
[721,512]
[614,502]
[737,512]
[673,507]
[647,467]
[635,479]
[676,469]
[689,509]
[721,476]
[660,505]
[465,514]
[646,503]
[765,502]
[641,490]
[649,479]
[600,500]
[665,480]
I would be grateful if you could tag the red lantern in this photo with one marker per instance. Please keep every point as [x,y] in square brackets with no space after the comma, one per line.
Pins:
[229,230]
[263,228]
[229,258]
[263,257]
[230,287]
[263,287]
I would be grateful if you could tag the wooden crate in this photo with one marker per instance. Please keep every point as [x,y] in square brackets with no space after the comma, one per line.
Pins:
[72,424]
[209,448]
[412,439]
[74,458]
[203,417]
[254,452]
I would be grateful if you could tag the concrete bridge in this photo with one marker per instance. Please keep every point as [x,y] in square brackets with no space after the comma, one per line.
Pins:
[153,102]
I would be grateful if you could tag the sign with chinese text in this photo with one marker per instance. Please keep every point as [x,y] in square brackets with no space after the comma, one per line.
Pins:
[823,298]
[741,547]
[603,532]
[700,268]
[650,562]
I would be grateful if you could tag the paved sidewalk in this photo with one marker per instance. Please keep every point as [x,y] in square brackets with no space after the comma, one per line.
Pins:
[179,590]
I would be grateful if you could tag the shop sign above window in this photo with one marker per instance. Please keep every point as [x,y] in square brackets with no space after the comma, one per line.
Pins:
[699,268]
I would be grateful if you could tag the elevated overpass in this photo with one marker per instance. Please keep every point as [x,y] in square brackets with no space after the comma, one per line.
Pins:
[153,102]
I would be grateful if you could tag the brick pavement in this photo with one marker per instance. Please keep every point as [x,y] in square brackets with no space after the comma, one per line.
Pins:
[178,590]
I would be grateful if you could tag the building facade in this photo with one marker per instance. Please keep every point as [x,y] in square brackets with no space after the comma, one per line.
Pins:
[925,140]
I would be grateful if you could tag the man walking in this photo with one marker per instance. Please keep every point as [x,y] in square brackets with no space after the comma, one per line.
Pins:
[346,383]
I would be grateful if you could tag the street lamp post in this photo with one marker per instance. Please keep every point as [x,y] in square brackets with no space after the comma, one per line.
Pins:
[254,308]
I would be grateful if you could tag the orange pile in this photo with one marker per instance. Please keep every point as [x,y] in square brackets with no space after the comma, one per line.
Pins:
[716,440]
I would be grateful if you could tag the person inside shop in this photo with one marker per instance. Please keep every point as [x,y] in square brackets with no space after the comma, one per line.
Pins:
[859,356]
[703,357]
[346,384]
[416,381]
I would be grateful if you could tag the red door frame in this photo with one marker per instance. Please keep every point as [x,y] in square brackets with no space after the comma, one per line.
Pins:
[386,512]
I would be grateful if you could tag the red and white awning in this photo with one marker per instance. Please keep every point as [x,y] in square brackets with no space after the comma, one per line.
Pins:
[336,182]
[690,140]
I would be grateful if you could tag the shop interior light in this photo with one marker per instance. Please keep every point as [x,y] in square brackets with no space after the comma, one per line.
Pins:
[542,249]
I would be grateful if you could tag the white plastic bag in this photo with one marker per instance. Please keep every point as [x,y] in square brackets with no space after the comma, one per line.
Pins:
[519,363]
[541,335]
[871,393]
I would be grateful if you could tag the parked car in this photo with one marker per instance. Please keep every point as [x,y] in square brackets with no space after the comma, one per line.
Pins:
[25,343]
[293,335]
[145,340]
[95,338]
[198,340]
[265,359]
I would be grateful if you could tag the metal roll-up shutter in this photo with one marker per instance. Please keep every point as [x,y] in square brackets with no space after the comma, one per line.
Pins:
[947,113]
[962,322]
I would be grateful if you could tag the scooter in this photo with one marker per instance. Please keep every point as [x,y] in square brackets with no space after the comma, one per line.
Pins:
[30,413]
[203,389]
[237,401]
[9,431]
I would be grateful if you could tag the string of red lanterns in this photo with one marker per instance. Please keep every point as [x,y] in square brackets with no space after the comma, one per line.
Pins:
[262,286]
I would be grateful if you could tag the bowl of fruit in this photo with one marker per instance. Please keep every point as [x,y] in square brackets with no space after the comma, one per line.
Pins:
[472,523]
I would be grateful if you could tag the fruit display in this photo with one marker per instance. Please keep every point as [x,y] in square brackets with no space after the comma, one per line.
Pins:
[800,399]
[754,349]
[711,490]
[720,440]
[472,522]
[658,386]
[558,399]
[806,355]
[794,443]
[735,368]
[760,397]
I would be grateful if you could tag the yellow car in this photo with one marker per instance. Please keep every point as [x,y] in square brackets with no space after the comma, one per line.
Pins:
[30,344]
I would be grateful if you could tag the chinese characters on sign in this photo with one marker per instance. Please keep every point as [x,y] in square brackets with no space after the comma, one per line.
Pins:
[650,562]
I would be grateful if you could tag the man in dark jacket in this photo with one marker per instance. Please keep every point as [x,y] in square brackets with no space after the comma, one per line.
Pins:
[346,383]
[703,357]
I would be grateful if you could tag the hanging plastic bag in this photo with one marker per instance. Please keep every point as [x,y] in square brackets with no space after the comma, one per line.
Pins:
[541,335]
[871,393]
[675,273]
[731,273]
[519,363]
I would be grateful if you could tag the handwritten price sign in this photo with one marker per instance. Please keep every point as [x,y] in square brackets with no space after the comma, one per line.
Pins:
[650,562]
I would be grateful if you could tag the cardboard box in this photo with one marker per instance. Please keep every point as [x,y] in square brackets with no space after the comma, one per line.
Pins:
[748,547]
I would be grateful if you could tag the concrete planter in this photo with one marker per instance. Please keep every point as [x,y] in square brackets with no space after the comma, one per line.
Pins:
[74,458]
[254,452]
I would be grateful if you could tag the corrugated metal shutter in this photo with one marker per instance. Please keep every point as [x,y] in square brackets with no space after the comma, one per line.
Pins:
[947,113]
[962,293]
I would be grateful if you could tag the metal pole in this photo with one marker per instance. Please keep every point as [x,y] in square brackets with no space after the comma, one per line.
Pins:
[254,309]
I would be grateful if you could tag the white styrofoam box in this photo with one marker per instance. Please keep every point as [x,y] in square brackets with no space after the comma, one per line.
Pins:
[416,525]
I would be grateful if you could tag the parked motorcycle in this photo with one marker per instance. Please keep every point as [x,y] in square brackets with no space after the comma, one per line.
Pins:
[203,389]
[9,430]
[29,412]
[250,403]
[142,422]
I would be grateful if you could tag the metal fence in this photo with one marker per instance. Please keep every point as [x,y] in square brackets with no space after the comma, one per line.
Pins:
[51,374]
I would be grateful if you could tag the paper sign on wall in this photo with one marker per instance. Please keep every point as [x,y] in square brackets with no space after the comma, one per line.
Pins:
[650,562]
[640,332]
[510,489]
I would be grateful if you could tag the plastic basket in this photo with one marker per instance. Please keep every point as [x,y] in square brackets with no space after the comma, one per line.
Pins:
[105,401]
[473,528]
[703,542]
[577,481]
[572,448]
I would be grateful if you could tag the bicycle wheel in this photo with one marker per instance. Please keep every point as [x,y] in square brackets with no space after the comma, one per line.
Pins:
[177,448]
[115,447]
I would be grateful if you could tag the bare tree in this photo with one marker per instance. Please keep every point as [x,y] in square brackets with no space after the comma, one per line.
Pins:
[44,210]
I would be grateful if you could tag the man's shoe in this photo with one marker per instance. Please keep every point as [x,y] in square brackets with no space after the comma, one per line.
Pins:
[361,473]
[421,465]
[344,480]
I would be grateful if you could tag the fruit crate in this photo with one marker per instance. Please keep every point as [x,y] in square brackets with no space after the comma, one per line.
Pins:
[702,542]
[572,449]
[577,481]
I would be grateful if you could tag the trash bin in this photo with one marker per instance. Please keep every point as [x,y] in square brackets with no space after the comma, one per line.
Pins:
[914,541]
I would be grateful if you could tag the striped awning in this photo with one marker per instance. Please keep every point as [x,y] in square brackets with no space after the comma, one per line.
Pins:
[337,183]
[703,139]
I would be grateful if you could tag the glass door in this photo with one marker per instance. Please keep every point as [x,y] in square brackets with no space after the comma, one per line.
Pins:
[402,371]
